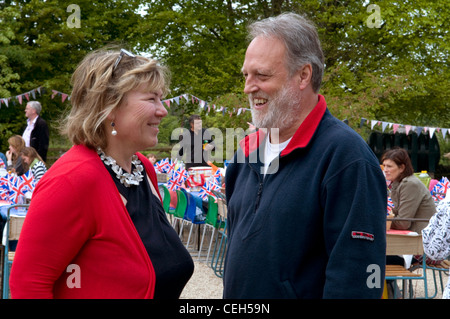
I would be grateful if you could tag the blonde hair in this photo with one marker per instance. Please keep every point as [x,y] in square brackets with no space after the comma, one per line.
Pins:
[18,143]
[98,90]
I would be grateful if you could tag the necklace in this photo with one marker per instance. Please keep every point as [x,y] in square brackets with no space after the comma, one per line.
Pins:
[125,178]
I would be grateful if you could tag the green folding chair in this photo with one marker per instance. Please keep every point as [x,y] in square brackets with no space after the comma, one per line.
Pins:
[211,222]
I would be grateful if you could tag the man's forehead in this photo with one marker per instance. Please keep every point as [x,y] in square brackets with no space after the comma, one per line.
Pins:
[264,54]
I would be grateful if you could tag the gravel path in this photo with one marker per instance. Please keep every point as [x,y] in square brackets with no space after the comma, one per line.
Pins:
[204,284]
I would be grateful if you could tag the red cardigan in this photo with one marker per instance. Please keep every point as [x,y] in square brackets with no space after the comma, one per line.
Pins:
[77,217]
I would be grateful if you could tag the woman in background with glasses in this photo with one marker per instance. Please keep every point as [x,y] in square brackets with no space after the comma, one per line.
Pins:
[96,227]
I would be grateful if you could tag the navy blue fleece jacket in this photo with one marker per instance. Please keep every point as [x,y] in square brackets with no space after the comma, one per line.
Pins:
[313,228]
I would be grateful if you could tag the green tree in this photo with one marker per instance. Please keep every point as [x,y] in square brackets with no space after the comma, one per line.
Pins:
[40,45]
[387,62]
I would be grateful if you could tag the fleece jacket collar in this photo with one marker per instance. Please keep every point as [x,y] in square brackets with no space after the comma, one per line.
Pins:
[301,137]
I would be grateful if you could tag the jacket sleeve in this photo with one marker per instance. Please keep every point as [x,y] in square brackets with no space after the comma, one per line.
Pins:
[354,202]
[436,236]
[57,225]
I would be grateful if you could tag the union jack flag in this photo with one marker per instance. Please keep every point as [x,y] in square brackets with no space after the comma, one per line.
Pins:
[216,178]
[177,179]
[212,184]
[390,204]
[440,189]
[171,166]
[27,183]
[162,165]
[12,186]
[207,189]
[2,164]
[4,188]
[165,166]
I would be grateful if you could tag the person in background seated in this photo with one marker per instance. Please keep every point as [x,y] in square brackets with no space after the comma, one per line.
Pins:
[411,198]
[436,237]
[34,161]
[14,161]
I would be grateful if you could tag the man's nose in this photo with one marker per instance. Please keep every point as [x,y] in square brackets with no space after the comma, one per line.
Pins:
[250,85]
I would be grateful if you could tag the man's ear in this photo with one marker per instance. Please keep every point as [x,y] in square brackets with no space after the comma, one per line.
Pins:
[304,76]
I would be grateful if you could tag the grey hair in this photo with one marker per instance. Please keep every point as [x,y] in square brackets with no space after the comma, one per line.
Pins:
[35,105]
[301,39]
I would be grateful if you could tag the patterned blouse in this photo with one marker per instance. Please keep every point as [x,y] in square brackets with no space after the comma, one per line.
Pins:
[38,169]
[436,237]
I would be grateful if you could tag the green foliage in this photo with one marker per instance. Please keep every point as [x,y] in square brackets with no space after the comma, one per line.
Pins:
[397,72]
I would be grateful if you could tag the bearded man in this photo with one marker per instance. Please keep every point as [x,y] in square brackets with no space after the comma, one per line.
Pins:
[306,196]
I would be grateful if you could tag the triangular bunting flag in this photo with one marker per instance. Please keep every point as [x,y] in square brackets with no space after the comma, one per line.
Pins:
[407,129]
[431,131]
[395,127]
[373,122]
[167,102]
[418,130]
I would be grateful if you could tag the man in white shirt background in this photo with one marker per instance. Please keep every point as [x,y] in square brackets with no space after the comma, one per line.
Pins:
[36,133]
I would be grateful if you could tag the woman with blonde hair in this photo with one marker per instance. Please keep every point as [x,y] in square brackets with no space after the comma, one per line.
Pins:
[34,161]
[99,203]
[14,161]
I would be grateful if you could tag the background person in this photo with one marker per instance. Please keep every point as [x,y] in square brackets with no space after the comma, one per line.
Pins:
[152,158]
[98,207]
[34,162]
[196,143]
[309,223]
[436,237]
[36,133]
[411,198]
[3,159]
[14,161]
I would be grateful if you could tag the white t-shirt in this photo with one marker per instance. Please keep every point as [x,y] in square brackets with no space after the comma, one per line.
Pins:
[273,151]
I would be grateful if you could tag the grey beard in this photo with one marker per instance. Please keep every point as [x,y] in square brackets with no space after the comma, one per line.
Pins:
[281,110]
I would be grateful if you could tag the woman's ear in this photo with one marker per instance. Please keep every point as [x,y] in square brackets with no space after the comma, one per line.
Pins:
[111,116]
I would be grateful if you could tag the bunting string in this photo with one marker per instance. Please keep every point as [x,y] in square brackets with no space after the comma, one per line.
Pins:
[204,105]
[20,98]
[408,127]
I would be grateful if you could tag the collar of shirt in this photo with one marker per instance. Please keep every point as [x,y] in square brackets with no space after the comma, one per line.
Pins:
[300,139]
[32,122]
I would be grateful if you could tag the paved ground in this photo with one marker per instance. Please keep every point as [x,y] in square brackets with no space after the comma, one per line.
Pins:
[204,284]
